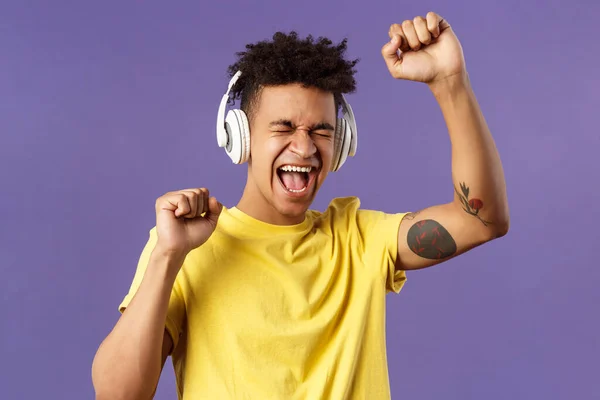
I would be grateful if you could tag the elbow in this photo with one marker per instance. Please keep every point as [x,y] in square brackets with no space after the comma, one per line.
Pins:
[495,228]
[105,396]
[108,386]
[502,230]
[501,223]
[111,389]
[103,390]
[104,393]
[501,227]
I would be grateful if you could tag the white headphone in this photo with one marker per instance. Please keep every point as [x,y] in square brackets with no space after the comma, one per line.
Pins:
[233,132]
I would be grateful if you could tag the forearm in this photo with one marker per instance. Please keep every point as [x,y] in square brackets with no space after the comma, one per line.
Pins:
[128,362]
[477,174]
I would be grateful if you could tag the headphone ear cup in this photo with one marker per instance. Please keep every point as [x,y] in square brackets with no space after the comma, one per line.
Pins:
[238,145]
[353,141]
[245,135]
[346,144]
[340,138]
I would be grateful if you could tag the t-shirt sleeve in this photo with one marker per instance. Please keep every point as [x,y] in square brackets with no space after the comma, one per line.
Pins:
[379,234]
[176,309]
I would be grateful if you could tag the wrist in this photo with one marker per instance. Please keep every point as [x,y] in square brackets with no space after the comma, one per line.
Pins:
[168,261]
[451,86]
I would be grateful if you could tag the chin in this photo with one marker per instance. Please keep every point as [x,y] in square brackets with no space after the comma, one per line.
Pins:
[293,205]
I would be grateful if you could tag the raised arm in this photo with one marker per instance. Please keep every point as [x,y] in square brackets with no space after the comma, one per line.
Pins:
[478,212]
[130,359]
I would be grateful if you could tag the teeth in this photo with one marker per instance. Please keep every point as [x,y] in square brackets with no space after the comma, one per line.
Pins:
[297,190]
[291,168]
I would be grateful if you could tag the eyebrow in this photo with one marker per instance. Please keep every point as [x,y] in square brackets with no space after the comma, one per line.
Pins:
[289,124]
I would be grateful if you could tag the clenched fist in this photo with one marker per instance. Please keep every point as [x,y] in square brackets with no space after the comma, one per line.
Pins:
[185,219]
[429,50]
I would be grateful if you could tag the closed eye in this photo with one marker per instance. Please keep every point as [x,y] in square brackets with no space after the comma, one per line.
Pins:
[286,126]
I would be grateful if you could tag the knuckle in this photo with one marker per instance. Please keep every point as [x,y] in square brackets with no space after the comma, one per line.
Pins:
[407,24]
[418,20]
[162,199]
[182,199]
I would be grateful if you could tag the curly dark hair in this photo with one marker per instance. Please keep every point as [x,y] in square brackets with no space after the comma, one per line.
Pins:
[289,59]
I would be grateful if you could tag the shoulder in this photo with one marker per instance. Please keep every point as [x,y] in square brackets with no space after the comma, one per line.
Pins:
[345,213]
[339,207]
[349,209]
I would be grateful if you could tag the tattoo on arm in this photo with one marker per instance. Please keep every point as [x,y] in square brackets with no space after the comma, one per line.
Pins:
[411,215]
[431,240]
[471,206]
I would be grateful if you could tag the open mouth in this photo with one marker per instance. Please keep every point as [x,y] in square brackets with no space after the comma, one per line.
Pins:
[296,179]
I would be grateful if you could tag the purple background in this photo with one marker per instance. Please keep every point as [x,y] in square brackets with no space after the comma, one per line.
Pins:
[106,105]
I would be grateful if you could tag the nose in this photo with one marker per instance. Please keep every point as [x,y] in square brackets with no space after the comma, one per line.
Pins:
[302,144]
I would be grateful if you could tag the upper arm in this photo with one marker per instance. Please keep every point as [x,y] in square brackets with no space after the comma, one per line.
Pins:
[439,233]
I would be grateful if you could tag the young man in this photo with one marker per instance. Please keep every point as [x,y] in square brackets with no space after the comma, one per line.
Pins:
[272,300]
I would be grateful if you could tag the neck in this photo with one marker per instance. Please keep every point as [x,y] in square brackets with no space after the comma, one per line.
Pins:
[254,204]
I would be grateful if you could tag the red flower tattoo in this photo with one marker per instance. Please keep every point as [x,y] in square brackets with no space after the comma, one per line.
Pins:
[476,204]
[471,206]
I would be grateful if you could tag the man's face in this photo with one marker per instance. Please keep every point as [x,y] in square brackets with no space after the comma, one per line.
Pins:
[291,149]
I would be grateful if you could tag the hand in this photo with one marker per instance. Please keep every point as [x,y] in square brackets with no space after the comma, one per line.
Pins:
[180,225]
[430,51]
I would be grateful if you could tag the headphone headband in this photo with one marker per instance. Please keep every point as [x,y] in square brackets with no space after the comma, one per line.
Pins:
[221,132]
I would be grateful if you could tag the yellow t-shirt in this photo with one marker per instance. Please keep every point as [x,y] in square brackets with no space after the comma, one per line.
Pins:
[285,312]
